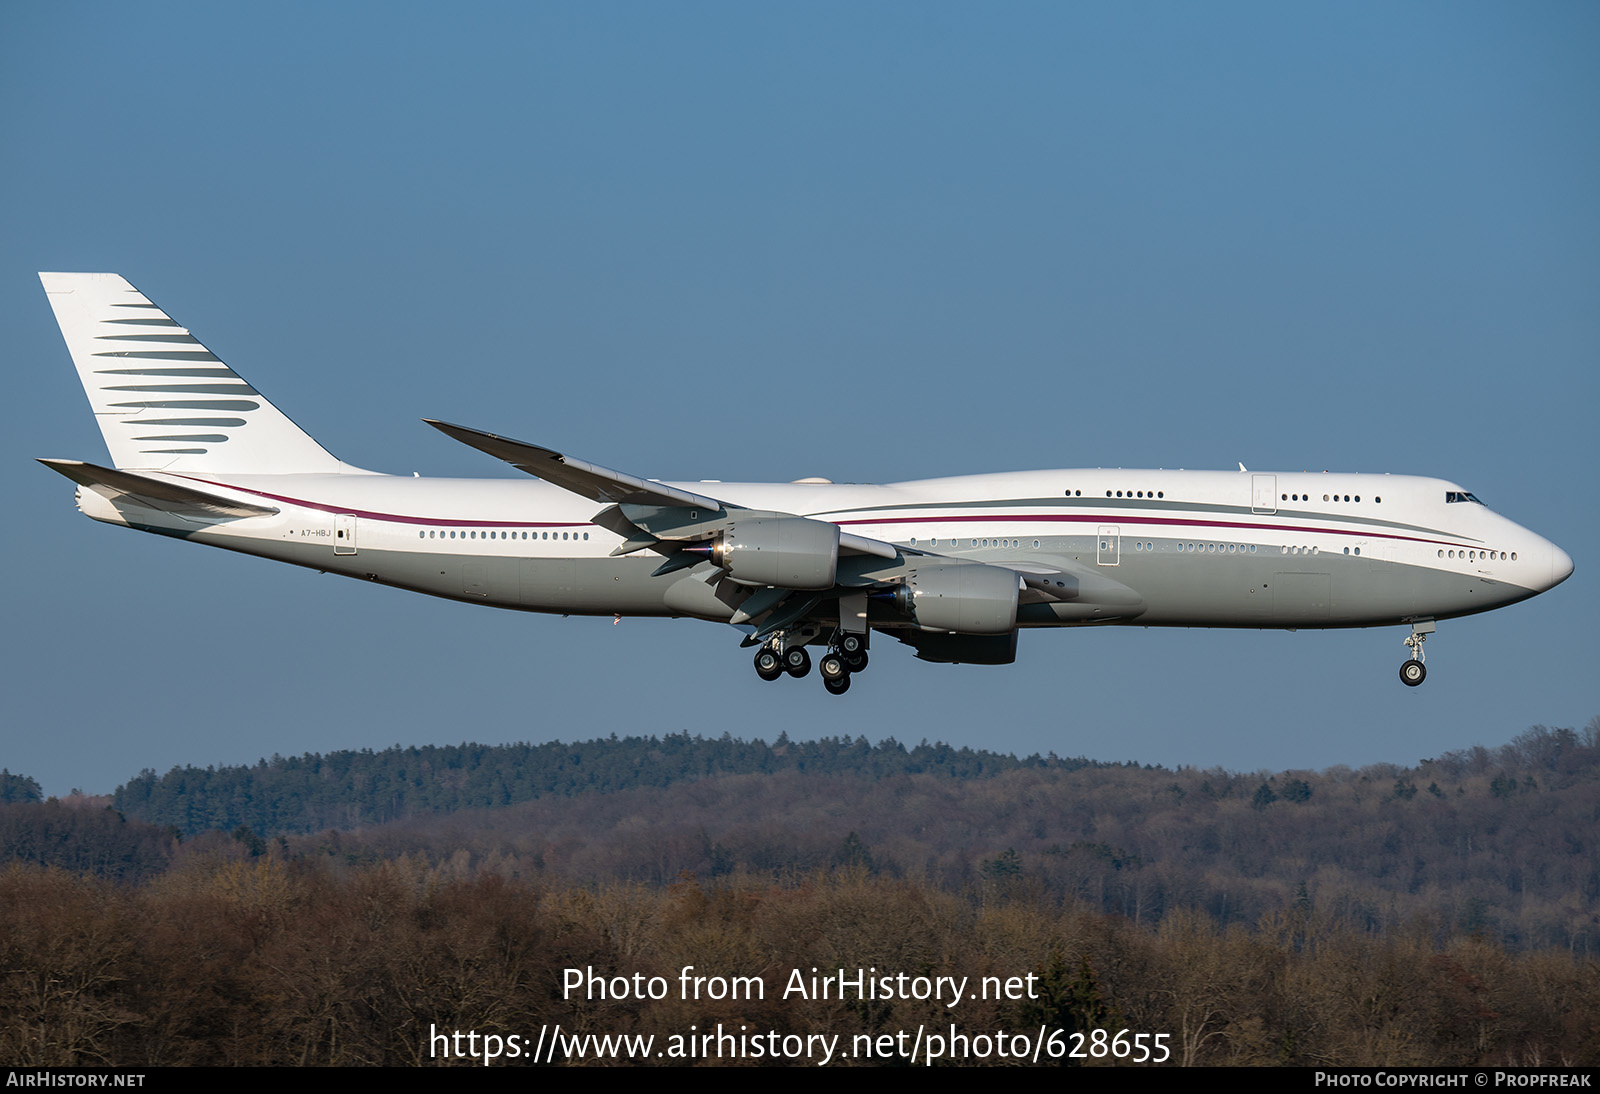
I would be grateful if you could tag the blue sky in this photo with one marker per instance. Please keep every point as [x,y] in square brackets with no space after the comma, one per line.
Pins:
[870,242]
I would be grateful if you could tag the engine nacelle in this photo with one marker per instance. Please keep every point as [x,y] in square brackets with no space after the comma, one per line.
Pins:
[790,552]
[962,649]
[965,599]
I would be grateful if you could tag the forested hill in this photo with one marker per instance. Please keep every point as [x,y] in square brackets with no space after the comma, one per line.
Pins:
[1494,841]
[348,789]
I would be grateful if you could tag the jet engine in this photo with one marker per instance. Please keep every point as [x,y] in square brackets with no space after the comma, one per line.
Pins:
[788,552]
[964,599]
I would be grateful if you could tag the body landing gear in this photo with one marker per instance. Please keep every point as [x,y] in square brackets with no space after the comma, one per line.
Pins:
[1414,672]
[773,660]
[768,665]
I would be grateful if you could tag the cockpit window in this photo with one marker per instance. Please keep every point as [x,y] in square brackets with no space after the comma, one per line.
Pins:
[1461,495]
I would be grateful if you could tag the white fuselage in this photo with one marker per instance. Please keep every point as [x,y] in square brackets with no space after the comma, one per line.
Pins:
[1195,548]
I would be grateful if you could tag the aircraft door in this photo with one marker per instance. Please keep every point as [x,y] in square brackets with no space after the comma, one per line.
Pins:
[1109,545]
[1263,493]
[344,534]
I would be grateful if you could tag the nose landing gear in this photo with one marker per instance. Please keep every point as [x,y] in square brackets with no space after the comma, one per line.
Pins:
[1414,672]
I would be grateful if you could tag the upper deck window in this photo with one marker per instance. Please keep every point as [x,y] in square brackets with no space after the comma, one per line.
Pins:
[1460,495]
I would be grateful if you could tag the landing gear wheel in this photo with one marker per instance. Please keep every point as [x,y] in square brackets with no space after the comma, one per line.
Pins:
[796,661]
[832,667]
[852,644]
[1413,673]
[858,663]
[837,685]
[768,665]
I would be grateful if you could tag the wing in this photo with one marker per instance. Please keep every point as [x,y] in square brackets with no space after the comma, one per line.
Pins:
[776,570]
[579,476]
[652,512]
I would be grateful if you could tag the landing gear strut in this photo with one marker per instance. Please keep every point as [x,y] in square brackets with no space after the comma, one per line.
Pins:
[1414,672]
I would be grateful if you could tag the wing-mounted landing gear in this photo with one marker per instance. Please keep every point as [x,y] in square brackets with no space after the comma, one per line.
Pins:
[785,652]
[853,648]
[1414,672]
[846,656]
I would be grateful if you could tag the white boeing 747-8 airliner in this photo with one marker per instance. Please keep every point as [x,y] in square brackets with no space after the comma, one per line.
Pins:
[953,567]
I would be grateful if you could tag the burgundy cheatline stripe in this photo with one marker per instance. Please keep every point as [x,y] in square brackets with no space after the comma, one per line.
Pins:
[367,514]
[1112,518]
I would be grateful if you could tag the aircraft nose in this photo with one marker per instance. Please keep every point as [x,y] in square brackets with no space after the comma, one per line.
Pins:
[1560,566]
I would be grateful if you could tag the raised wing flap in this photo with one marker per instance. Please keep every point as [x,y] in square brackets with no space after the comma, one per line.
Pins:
[154,493]
[589,480]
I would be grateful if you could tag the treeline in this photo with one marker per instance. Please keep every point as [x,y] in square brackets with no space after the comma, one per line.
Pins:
[1500,843]
[18,788]
[231,958]
[80,836]
[351,788]
[1503,843]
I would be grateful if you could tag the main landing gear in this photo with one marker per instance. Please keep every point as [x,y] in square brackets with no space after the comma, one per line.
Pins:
[847,655]
[1414,672]
[769,666]
[773,661]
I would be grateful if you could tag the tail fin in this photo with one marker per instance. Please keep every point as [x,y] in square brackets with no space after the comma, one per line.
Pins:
[163,401]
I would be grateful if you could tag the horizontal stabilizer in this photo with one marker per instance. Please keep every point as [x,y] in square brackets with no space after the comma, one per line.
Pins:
[589,480]
[152,493]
